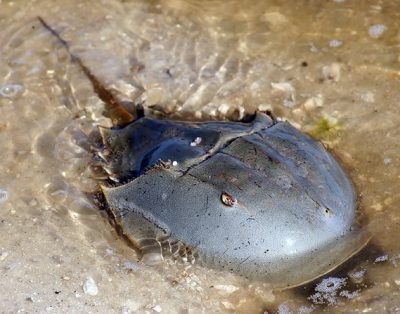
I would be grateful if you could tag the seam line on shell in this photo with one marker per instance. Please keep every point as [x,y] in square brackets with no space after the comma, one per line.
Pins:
[221,147]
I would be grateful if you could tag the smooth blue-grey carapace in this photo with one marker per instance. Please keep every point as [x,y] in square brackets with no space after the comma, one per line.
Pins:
[260,199]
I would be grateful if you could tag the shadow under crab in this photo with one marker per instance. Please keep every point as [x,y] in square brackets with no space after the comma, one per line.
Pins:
[260,199]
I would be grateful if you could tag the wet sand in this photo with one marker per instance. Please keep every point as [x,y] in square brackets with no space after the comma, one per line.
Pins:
[330,68]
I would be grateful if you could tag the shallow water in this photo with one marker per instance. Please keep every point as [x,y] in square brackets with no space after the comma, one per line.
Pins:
[331,68]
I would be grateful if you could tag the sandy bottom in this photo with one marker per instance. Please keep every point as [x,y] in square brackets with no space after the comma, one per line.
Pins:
[331,68]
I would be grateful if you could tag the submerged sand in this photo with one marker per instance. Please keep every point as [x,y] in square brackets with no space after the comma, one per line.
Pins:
[331,68]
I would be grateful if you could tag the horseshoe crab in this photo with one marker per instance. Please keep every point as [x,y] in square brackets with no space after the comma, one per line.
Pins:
[259,198]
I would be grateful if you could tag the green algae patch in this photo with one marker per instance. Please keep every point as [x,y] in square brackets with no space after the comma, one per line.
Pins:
[325,128]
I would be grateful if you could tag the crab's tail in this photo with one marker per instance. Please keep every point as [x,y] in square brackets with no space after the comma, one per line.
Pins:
[114,109]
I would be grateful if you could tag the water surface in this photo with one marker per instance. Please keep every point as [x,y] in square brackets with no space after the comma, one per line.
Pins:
[329,67]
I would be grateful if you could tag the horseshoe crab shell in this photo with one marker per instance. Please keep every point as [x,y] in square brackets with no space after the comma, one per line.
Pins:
[260,199]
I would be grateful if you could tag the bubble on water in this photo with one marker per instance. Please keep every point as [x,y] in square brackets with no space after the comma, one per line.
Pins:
[11,90]
[90,287]
[334,43]
[377,30]
[3,195]
[330,285]
[349,295]
[327,290]
[306,309]
[357,276]
[283,309]
[387,160]
[381,259]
